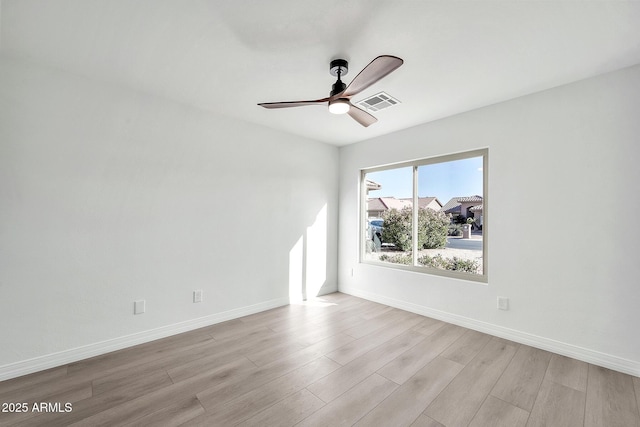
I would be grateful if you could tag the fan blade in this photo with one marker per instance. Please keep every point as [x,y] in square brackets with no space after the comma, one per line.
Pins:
[376,70]
[361,116]
[292,103]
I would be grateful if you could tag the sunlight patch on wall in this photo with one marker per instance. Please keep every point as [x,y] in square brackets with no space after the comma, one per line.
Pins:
[296,274]
[316,254]
[308,261]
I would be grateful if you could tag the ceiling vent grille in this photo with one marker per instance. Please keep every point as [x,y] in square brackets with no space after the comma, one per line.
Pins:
[378,102]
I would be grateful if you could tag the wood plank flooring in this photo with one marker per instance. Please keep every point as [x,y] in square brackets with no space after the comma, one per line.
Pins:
[338,361]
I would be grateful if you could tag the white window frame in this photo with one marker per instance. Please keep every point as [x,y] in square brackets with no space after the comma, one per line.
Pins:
[482,278]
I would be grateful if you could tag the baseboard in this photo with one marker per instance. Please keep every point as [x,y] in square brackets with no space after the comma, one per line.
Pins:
[586,355]
[73,355]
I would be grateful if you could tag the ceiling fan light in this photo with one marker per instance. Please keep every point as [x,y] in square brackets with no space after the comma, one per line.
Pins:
[339,106]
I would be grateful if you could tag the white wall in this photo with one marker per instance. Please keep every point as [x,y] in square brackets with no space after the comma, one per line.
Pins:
[563,240]
[109,196]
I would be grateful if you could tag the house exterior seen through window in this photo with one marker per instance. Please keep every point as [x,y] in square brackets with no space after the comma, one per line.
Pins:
[428,215]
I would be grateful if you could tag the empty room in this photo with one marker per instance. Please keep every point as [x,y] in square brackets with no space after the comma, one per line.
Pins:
[319,213]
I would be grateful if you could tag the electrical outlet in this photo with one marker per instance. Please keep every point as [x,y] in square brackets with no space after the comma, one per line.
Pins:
[139,306]
[197,295]
[503,303]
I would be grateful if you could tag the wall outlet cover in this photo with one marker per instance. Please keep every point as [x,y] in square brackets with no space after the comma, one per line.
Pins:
[503,303]
[139,306]
[197,295]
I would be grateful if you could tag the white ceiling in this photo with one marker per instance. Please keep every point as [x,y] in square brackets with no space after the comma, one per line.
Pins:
[225,56]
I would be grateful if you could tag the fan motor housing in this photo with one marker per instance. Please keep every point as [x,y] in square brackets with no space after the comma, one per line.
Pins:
[338,87]
[338,66]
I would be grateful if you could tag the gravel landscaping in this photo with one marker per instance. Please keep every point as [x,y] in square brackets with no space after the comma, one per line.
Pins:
[444,252]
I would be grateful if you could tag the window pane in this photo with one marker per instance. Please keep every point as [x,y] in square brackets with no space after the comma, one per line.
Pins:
[450,234]
[388,218]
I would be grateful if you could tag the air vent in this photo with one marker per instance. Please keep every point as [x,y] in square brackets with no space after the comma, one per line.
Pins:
[378,102]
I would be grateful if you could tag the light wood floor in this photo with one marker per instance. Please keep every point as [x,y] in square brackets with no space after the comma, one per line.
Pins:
[340,362]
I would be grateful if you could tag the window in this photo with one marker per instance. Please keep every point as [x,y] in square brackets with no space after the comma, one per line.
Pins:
[428,215]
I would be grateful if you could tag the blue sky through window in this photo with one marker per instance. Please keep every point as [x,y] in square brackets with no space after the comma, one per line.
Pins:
[442,180]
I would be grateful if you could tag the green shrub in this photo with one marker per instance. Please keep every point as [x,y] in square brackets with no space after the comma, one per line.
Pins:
[436,261]
[432,228]
[397,228]
[454,230]
[452,264]
[461,264]
[405,259]
[459,219]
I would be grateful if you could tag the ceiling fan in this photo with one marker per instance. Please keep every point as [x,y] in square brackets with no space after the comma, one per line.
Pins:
[339,100]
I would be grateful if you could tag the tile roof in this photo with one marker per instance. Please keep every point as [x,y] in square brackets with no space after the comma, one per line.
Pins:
[387,203]
[470,199]
[375,205]
[393,203]
[423,202]
[454,205]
